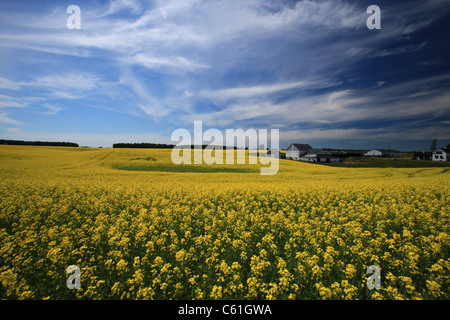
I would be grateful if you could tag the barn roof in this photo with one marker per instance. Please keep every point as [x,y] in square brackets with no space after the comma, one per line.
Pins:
[301,147]
[316,151]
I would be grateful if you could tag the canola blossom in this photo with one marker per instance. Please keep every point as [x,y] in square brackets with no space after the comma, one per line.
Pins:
[138,227]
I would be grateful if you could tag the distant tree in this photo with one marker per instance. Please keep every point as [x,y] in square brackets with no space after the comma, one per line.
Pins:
[38,143]
[433,145]
[143,145]
[448,146]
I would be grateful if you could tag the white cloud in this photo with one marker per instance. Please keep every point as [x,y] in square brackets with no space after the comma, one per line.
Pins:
[52,109]
[261,90]
[165,63]
[4,118]
[8,84]
[75,80]
[123,5]
[191,23]
[400,50]
[58,82]
[143,98]
[7,101]
[388,102]
[11,104]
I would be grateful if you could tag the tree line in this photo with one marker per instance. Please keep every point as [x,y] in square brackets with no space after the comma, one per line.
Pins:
[38,143]
[144,145]
[157,146]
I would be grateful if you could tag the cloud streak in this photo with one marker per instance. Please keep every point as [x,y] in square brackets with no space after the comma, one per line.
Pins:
[4,118]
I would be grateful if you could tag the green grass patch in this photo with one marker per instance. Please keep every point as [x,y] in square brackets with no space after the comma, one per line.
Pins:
[144,159]
[168,167]
[388,163]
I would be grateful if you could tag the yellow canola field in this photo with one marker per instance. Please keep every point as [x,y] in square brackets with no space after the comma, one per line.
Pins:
[139,230]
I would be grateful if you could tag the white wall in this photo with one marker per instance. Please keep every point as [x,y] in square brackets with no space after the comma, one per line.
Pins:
[440,155]
[374,153]
[292,154]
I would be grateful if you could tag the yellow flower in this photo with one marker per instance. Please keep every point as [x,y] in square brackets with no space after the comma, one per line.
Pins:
[180,255]
[216,292]
[121,265]
[350,271]
[316,271]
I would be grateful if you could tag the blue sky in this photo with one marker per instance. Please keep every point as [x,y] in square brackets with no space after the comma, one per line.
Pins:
[137,70]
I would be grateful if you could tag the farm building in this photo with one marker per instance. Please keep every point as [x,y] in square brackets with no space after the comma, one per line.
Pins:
[384,153]
[313,155]
[295,151]
[441,154]
[318,155]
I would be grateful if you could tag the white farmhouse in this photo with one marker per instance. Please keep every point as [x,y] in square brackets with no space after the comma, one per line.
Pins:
[295,151]
[384,153]
[441,154]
